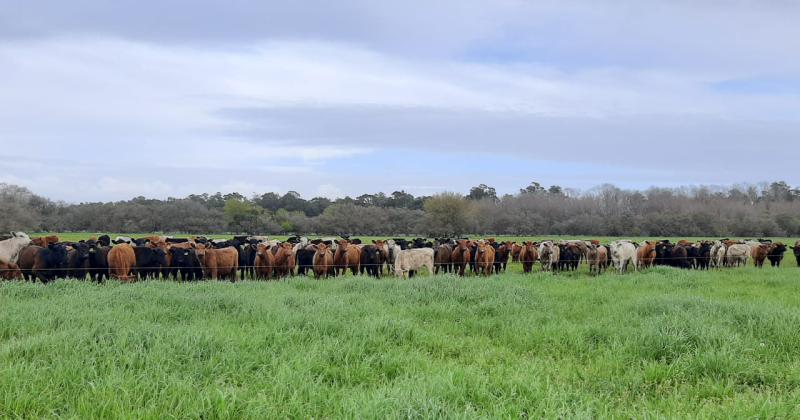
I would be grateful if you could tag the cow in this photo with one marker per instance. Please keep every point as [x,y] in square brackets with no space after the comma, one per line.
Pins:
[304,255]
[549,255]
[759,253]
[78,260]
[737,255]
[10,271]
[45,264]
[646,254]
[383,253]
[284,259]
[346,256]
[680,257]
[247,258]
[442,258]
[597,258]
[796,252]
[704,255]
[104,240]
[623,253]
[370,260]
[98,261]
[411,260]
[121,261]
[461,256]
[515,251]
[323,261]
[218,263]
[264,262]
[149,261]
[502,252]
[528,255]
[485,258]
[185,263]
[775,255]
[569,256]
[44,241]
[11,247]
[663,251]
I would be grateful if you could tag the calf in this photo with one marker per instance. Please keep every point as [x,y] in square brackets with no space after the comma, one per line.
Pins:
[461,256]
[347,256]
[442,258]
[370,260]
[78,260]
[149,261]
[121,261]
[45,264]
[284,259]
[219,263]
[597,258]
[323,261]
[98,261]
[411,260]
[485,259]
[775,254]
[623,253]
[185,263]
[549,255]
[10,248]
[502,252]
[759,253]
[264,262]
[528,255]
[646,254]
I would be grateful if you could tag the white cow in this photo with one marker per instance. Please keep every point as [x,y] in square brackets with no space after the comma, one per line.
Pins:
[10,248]
[737,255]
[549,254]
[622,254]
[413,259]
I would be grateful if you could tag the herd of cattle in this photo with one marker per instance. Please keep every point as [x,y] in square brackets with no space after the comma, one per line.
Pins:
[258,257]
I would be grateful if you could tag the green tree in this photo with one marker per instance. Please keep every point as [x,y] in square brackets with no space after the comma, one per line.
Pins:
[241,215]
[447,214]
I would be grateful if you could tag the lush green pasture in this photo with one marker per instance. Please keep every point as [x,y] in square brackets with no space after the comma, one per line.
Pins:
[662,343]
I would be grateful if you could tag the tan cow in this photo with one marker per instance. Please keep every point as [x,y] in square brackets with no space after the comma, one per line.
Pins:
[219,263]
[121,260]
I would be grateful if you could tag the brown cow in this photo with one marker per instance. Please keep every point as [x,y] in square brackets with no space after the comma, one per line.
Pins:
[597,259]
[121,260]
[442,258]
[10,271]
[284,259]
[219,263]
[515,251]
[484,260]
[347,256]
[646,254]
[461,256]
[265,262]
[323,261]
[528,255]
[759,254]
[44,241]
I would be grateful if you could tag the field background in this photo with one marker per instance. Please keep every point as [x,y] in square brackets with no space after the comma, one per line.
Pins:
[660,343]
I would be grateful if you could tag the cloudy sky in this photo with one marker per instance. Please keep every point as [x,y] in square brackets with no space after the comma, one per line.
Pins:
[108,100]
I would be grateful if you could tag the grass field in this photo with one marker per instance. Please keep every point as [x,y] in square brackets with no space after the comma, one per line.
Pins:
[662,343]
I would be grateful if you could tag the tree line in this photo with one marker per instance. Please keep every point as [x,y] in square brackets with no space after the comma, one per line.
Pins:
[769,209]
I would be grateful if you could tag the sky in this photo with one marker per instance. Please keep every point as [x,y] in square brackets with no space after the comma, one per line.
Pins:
[110,100]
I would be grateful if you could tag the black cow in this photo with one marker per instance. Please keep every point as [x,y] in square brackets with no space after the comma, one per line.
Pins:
[703,259]
[149,261]
[775,254]
[680,257]
[247,258]
[47,263]
[663,251]
[177,240]
[104,240]
[305,260]
[569,258]
[78,260]
[98,261]
[186,261]
[371,260]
